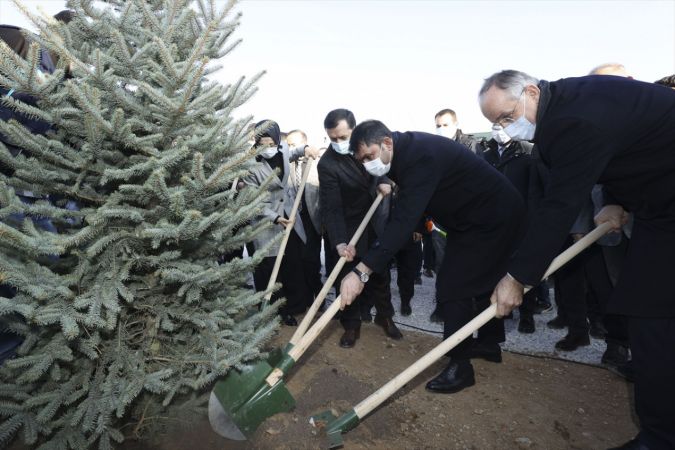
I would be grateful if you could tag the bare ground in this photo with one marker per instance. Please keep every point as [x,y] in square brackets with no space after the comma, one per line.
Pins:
[524,402]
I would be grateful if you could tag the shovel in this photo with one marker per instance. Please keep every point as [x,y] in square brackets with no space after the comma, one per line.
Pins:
[336,426]
[242,400]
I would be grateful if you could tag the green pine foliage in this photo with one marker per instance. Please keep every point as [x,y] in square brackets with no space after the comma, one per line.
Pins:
[125,313]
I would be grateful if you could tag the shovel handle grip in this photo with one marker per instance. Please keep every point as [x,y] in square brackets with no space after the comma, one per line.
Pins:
[307,320]
[287,234]
[386,391]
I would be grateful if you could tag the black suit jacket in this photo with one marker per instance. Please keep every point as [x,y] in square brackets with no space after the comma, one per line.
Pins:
[620,133]
[480,210]
[346,192]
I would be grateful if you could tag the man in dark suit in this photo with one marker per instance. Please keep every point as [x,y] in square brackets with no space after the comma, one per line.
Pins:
[513,159]
[620,133]
[479,209]
[346,192]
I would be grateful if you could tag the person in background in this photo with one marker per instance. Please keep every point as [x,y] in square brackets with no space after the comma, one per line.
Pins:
[273,161]
[346,192]
[448,126]
[309,211]
[513,159]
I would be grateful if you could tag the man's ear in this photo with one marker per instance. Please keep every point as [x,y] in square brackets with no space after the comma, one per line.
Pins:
[388,141]
[532,91]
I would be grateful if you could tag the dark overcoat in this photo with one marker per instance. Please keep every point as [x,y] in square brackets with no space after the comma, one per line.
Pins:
[346,192]
[619,133]
[477,206]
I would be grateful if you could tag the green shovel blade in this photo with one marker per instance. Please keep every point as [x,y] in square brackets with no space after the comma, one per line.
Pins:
[247,400]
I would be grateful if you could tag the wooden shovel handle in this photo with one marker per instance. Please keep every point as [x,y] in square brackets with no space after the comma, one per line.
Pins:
[379,396]
[307,320]
[287,234]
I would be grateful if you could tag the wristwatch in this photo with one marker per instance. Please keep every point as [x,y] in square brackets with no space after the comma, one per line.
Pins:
[364,277]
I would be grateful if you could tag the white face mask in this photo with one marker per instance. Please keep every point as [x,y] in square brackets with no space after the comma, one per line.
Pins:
[449,132]
[521,129]
[341,147]
[268,152]
[499,135]
[376,167]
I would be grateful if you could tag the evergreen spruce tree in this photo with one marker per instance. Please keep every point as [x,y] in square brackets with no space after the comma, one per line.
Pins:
[125,312]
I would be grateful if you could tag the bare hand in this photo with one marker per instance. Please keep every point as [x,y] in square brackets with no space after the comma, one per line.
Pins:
[350,288]
[508,295]
[417,236]
[346,251]
[311,152]
[384,189]
[283,221]
[614,214]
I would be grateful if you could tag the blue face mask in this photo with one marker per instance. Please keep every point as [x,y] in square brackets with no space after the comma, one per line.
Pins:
[521,129]
[341,147]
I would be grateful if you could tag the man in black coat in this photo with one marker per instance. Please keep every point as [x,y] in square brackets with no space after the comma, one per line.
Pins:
[620,133]
[480,210]
[346,192]
[513,159]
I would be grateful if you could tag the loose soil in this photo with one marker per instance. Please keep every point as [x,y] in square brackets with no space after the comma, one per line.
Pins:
[524,402]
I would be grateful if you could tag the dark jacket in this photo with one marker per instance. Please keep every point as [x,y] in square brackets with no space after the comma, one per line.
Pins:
[346,192]
[620,133]
[15,39]
[469,141]
[474,203]
[515,163]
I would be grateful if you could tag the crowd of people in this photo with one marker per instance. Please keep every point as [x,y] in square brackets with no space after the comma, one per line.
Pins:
[485,217]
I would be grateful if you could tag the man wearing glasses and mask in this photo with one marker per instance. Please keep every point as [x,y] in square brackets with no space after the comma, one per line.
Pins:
[619,133]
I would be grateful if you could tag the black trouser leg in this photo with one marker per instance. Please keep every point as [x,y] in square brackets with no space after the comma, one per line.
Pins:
[311,255]
[598,282]
[571,293]
[456,314]
[652,343]
[526,308]
[292,276]
[429,255]
[407,266]
[376,292]
[493,331]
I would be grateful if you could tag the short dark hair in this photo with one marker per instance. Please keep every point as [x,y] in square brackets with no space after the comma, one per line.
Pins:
[668,81]
[335,116]
[445,111]
[368,132]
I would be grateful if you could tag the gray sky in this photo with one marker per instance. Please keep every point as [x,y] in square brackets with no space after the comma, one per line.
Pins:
[402,61]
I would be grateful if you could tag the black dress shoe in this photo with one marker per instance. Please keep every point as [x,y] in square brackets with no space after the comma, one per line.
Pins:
[597,330]
[428,273]
[526,324]
[633,444]
[556,324]
[406,310]
[542,306]
[615,355]
[389,327]
[289,320]
[572,342]
[418,280]
[457,376]
[349,337]
[488,352]
[436,316]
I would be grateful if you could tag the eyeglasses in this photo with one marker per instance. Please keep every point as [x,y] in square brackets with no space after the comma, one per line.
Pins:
[506,120]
